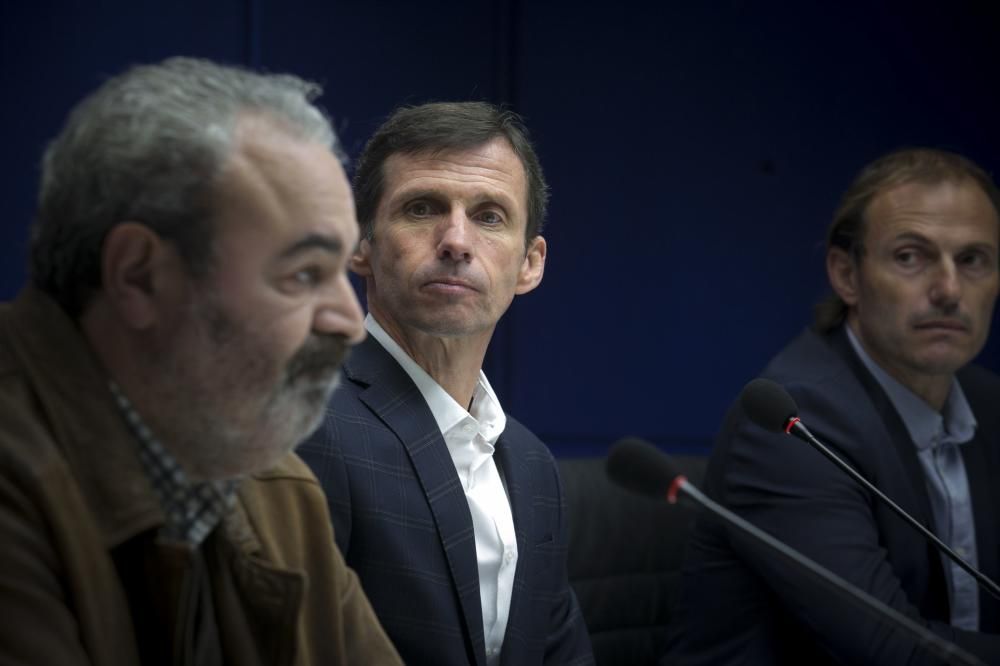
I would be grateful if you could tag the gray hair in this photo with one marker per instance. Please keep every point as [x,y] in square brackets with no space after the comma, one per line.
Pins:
[145,147]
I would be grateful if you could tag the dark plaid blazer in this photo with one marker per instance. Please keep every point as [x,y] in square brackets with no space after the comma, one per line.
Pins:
[402,521]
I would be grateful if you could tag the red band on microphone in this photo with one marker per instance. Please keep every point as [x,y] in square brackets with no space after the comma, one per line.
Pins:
[791,423]
[675,487]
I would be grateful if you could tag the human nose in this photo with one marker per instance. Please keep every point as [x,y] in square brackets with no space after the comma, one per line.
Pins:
[339,312]
[946,285]
[455,238]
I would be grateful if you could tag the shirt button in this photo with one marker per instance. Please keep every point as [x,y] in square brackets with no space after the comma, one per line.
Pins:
[508,555]
[468,427]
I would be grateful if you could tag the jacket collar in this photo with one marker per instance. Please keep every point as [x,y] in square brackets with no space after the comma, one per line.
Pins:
[896,430]
[73,391]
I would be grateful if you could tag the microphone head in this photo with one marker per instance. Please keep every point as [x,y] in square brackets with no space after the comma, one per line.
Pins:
[768,404]
[639,466]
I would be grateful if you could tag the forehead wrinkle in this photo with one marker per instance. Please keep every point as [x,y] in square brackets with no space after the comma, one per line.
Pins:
[271,173]
[937,211]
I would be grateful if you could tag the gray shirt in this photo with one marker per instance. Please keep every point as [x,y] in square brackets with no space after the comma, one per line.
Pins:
[937,436]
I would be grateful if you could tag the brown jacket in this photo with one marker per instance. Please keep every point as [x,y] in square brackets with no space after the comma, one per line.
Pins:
[74,502]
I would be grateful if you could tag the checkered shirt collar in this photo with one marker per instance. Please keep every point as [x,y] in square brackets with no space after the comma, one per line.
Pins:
[192,509]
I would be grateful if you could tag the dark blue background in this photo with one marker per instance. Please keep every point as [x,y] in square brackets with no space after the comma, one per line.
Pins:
[695,152]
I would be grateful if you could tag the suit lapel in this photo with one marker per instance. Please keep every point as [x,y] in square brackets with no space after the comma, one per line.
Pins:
[514,472]
[396,400]
[896,429]
[980,469]
[919,504]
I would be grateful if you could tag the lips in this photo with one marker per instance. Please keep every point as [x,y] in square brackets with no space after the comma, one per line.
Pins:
[942,325]
[451,282]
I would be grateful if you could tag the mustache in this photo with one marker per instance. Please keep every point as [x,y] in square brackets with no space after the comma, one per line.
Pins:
[320,356]
[941,315]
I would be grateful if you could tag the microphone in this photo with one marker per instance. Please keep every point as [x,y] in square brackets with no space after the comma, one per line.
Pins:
[640,467]
[770,406]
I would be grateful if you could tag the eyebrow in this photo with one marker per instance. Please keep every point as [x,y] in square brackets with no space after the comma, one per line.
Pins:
[490,196]
[912,237]
[313,241]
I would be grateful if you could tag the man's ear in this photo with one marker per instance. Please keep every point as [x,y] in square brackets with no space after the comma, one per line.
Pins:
[361,259]
[842,271]
[135,271]
[533,266]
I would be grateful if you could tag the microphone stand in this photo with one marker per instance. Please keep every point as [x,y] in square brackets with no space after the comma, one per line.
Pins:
[949,652]
[797,428]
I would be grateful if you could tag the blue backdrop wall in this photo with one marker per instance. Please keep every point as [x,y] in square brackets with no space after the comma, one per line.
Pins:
[695,153]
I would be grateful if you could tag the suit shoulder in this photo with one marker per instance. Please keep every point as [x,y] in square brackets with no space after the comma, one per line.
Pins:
[808,358]
[815,373]
[521,432]
[978,380]
[830,398]
[518,435]
[982,389]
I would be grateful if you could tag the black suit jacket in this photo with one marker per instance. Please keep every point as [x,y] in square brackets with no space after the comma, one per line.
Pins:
[739,604]
[402,521]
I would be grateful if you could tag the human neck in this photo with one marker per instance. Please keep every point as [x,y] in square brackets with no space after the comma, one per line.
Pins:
[454,362]
[931,388]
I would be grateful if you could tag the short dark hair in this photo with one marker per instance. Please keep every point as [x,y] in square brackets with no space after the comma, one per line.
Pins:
[146,147]
[928,166]
[440,127]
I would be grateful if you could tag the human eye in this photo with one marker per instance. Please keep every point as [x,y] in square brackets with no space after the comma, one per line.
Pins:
[306,277]
[977,261]
[490,217]
[909,258]
[419,208]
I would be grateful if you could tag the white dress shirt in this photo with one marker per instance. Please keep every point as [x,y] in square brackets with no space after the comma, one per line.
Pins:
[470,438]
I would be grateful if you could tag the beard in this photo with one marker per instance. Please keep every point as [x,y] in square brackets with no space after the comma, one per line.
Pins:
[234,407]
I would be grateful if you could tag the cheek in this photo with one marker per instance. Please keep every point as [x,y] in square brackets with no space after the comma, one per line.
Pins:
[984,305]
[508,260]
[277,337]
[396,257]
[889,296]
[989,293]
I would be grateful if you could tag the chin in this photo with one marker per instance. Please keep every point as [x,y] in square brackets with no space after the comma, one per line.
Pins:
[942,363]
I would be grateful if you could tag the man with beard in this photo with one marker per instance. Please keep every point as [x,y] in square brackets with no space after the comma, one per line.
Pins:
[883,379]
[187,313]
[451,511]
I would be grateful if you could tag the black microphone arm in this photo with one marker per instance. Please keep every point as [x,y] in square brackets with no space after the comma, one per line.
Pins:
[759,391]
[637,465]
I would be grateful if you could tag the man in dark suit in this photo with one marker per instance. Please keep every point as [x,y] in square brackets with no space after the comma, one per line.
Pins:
[912,256]
[451,512]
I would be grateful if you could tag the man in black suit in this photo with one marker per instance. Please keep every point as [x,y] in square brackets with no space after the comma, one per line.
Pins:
[912,256]
[451,512]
